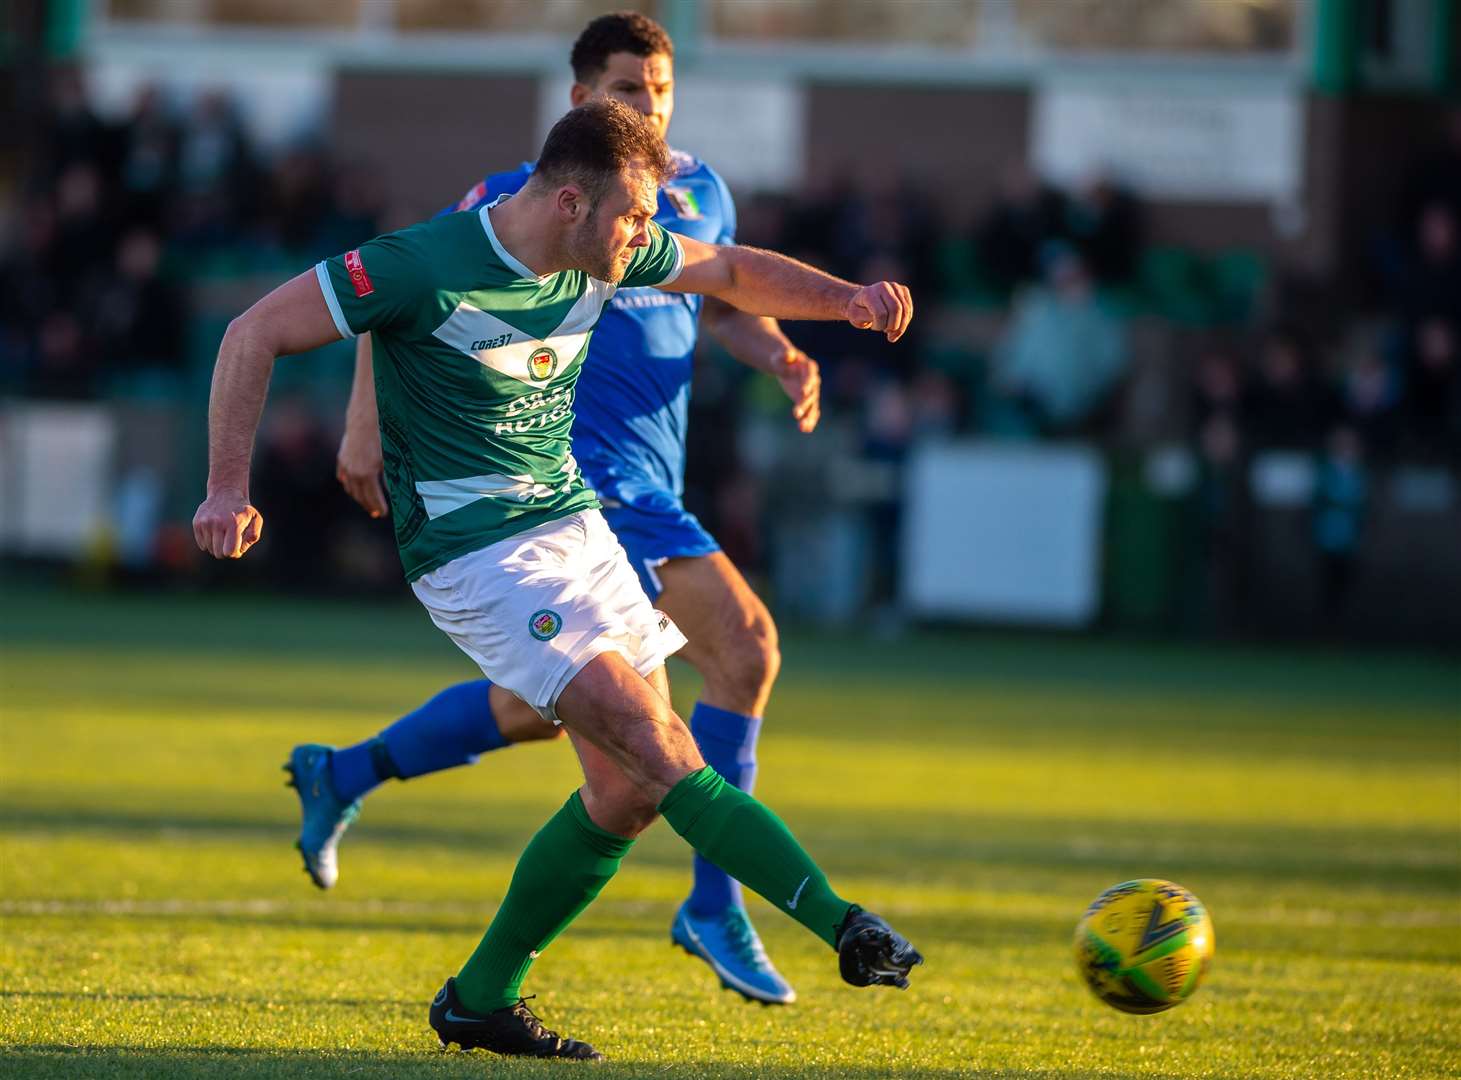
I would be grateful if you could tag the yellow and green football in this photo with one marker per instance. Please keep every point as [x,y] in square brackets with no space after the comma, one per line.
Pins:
[1144,946]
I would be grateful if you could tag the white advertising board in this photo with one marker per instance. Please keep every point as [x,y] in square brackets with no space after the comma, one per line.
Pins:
[999,533]
[1175,142]
[57,462]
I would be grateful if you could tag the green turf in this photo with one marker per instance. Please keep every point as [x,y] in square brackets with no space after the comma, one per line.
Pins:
[979,790]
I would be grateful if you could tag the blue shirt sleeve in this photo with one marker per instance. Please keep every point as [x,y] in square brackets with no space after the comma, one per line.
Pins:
[727,210]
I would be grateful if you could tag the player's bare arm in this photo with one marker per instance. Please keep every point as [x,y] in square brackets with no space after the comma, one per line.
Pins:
[759,343]
[291,319]
[778,286]
[358,463]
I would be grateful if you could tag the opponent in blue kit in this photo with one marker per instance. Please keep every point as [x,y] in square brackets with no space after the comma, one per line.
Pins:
[632,404]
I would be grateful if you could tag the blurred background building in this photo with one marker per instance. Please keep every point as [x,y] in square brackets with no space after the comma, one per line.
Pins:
[1188,276]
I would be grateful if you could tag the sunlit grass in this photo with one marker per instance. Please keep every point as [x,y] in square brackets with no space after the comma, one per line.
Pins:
[978,789]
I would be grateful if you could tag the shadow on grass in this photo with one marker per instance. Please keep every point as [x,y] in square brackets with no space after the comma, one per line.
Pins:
[1412,858]
[228,1000]
[44,1061]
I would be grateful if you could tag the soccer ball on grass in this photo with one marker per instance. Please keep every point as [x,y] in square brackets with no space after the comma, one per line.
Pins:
[1144,946]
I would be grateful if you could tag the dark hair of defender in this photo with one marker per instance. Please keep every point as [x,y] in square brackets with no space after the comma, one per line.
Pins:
[622,31]
[595,143]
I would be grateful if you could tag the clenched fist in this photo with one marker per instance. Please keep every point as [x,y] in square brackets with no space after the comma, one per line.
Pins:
[226,525]
[885,306]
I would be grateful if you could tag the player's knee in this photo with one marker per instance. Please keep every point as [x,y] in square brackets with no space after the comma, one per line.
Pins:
[752,659]
[622,809]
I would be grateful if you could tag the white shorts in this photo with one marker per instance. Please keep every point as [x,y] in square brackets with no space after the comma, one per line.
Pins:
[533,609]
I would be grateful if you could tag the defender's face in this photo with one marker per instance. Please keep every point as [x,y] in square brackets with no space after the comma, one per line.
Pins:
[644,83]
[605,241]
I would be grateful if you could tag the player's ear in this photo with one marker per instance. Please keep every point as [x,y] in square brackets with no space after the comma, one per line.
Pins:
[578,94]
[571,204]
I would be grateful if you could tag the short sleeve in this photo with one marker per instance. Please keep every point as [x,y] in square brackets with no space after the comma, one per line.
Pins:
[377,285]
[727,213]
[657,263]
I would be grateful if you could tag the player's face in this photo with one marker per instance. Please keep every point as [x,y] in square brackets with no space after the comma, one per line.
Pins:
[605,241]
[645,83]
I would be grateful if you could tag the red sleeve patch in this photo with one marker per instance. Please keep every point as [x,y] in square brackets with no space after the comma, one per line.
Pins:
[471,198]
[358,277]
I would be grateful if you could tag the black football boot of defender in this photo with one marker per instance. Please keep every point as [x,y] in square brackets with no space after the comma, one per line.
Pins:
[872,953]
[513,1031]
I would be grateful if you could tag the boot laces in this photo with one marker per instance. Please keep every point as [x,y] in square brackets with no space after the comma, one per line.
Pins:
[530,1020]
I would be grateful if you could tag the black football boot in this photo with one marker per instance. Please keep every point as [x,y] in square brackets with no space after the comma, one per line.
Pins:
[513,1031]
[872,953]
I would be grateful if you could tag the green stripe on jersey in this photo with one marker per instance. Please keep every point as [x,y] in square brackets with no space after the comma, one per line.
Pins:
[476,360]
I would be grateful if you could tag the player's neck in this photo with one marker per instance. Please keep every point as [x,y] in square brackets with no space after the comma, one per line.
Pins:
[523,230]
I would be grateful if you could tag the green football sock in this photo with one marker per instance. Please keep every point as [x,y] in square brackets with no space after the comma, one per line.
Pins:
[560,872]
[753,845]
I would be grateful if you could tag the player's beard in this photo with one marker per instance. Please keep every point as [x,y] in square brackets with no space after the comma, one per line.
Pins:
[591,254]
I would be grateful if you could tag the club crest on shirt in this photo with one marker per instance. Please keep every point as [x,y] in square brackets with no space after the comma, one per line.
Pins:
[545,624]
[542,363]
[684,202]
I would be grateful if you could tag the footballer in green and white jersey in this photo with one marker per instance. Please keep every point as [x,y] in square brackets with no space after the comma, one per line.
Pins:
[477,360]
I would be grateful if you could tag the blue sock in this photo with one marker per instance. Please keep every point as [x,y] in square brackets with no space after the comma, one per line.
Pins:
[728,744]
[451,729]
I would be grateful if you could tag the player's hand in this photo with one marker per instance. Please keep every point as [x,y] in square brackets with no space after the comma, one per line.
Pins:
[886,306]
[359,468]
[226,525]
[801,377]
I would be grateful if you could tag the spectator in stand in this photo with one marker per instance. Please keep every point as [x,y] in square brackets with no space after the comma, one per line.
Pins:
[149,166]
[296,465]
[73,133]
[1217,402]
[65,364]
[1285,407]
[137,317]
[355,211]
[218,179]
[1059,362]
[298,201]
[1370,398]
[83,233]
[1436,175]
[1429,284]
[1103,222]
[27,288]
[1341,498]
[1434,398]
[1026,215]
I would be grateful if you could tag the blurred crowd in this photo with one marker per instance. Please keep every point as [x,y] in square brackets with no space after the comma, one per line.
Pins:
[116,221]
[1028,328]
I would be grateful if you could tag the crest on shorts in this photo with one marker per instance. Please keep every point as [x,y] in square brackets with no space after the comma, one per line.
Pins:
[542,364]
[545,624]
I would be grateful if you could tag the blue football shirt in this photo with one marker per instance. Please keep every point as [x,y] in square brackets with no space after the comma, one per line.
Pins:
[633,398]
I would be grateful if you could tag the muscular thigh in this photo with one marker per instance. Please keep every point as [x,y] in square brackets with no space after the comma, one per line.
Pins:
[628,720]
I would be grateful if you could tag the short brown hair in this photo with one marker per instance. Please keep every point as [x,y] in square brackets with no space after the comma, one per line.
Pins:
[621,31]
[593,144]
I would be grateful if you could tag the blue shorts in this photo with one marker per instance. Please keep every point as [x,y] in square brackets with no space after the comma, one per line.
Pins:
[654,528]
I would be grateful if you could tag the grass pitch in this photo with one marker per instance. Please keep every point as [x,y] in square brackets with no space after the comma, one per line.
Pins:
[978,790]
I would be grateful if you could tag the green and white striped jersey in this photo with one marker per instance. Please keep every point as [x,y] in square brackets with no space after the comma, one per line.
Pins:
[476,359]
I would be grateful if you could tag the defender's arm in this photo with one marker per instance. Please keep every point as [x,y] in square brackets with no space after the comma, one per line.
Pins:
[358,464]
[758,342]
[291,319]
[765,283]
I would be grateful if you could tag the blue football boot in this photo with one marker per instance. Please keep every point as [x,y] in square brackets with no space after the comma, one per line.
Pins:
[326,816]
[728,943]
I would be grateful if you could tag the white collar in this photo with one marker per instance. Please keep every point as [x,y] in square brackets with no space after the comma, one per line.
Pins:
[514,264]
